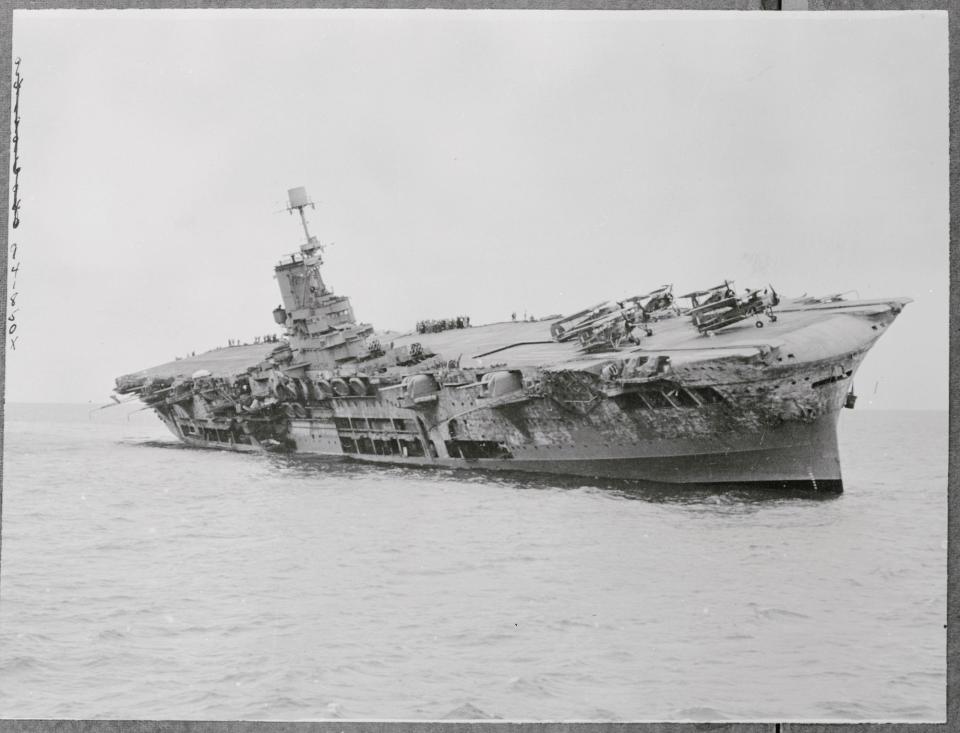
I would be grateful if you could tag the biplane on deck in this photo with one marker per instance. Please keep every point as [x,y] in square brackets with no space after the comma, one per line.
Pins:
[518,344]
[812,327]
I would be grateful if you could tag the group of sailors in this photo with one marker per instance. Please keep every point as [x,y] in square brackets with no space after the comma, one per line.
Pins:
[270,338]
[443,324]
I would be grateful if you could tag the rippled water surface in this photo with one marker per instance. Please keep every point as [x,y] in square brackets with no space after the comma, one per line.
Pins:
[141,579]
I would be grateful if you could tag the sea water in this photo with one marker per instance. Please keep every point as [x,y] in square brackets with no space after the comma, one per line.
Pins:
[143,579]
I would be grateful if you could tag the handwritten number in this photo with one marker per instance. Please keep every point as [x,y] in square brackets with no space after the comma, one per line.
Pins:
[15,268]
[16,139]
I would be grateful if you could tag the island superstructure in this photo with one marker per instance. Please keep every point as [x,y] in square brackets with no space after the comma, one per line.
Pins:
[732,389]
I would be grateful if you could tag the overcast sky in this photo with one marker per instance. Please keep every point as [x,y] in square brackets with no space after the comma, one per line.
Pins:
[470,162]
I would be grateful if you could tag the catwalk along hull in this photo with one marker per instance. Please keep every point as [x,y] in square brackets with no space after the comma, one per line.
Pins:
[734,391]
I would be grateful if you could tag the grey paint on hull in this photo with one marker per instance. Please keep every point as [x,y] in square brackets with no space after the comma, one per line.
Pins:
[793,456]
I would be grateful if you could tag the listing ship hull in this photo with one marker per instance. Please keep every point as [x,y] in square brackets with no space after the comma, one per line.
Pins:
[740,391]
[738,416]
[790,457]
[802,457]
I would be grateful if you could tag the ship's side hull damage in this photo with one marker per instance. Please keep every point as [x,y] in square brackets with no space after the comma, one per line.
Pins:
[791,456]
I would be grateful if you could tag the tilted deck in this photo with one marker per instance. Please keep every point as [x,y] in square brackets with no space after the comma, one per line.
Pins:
[227,361]
[812,331]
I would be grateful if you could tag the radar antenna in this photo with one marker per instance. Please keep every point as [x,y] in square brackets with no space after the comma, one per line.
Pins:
[300,201]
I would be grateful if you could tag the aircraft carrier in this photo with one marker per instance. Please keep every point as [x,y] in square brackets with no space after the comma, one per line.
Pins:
[714,387]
